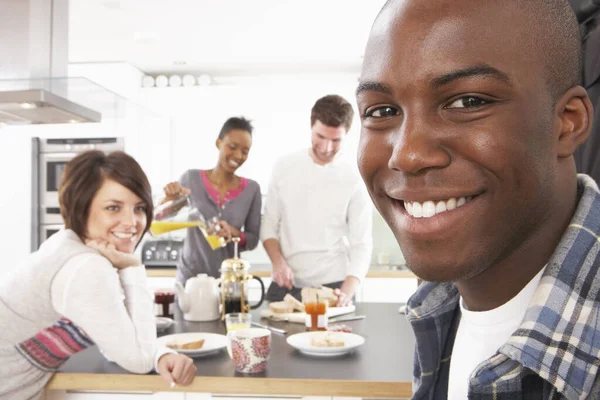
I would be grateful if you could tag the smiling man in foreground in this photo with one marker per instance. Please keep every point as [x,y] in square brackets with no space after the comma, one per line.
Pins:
[468,134]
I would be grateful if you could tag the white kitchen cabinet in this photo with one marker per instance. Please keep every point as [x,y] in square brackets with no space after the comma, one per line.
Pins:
[110,395]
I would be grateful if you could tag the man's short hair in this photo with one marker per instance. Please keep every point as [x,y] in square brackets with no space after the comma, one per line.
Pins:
[235,123]
[554,35]
[85,174]
[332,110]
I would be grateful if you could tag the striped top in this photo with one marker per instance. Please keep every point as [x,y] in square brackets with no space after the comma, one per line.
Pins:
[64,298]
[51,347]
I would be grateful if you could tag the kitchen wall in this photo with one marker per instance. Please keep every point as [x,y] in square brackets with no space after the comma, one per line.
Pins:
[120,117]
[279,106]
[169,130]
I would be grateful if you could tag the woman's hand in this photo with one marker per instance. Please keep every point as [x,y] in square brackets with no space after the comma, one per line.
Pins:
[174,189]
[176,369]
[117,258]
[227,231]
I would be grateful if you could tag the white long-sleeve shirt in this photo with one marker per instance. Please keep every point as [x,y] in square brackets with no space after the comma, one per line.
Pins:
[64,283]
[114,307]
[322,217]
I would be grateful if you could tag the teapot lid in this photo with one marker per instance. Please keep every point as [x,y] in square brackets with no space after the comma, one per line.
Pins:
[235,264]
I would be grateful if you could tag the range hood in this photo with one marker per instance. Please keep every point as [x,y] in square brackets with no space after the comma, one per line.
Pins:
[35,86]
[39,106]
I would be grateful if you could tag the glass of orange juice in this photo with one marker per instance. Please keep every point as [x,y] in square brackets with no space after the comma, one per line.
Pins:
[235,321]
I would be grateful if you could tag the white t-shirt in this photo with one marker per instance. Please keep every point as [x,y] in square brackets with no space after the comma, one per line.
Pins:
[322,217]
[481,334]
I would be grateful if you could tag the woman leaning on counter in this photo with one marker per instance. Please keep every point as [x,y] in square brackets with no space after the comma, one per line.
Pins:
[84,285]
[219,192]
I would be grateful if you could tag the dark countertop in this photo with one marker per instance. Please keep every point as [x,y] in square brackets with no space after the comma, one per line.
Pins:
[382,367]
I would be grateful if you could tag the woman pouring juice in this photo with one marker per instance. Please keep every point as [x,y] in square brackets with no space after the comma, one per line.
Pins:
[232,202]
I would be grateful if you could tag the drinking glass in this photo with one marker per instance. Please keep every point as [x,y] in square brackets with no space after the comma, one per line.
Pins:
[235,321]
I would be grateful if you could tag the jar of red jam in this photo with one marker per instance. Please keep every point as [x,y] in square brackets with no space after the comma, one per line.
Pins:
[164,301]
[316,315]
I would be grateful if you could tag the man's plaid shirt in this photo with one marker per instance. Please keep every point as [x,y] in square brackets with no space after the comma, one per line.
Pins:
[554,354]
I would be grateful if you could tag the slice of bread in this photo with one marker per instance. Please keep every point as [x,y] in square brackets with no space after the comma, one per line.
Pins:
[309,294]
[291,300]
[328,340]
[281,307]
[197,344]
[194,345]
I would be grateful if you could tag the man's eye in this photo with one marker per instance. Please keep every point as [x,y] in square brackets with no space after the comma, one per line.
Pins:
[382,112]
[468,102]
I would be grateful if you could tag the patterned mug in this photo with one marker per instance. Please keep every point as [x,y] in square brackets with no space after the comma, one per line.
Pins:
[250,349]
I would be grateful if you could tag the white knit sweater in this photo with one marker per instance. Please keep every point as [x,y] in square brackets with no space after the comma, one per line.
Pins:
[66,279]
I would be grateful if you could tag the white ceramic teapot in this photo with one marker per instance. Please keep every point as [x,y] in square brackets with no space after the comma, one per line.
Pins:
[200,299]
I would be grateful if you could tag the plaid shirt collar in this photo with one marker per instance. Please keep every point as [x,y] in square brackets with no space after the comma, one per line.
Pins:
[559,338]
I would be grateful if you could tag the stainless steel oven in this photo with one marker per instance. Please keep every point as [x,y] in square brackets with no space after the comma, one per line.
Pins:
[52,166]
[50,156]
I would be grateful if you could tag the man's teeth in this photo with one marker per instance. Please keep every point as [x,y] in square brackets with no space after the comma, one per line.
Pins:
[428,209]
[122,235]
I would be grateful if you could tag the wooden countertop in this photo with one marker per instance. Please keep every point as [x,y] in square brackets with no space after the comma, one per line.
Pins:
[376,272]
[381,368]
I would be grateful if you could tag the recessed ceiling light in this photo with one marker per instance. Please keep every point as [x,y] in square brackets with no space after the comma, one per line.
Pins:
[28,106]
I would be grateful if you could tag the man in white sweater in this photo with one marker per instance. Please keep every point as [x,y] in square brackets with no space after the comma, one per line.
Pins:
[317,222]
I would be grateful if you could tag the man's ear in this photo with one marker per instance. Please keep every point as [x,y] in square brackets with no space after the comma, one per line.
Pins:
[575,112]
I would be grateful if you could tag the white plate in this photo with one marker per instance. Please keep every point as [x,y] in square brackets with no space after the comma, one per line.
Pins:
[303,343]
[213,342]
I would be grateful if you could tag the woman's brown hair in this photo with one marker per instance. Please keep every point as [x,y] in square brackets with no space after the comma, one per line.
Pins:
[85,174]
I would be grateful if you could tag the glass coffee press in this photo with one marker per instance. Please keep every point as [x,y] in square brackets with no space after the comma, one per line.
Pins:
[234,284]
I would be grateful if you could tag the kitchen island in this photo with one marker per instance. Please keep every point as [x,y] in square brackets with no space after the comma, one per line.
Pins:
[264,271]
[381,368]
